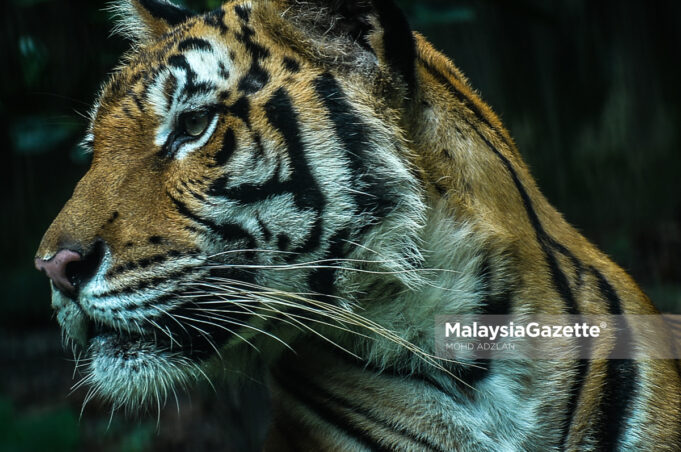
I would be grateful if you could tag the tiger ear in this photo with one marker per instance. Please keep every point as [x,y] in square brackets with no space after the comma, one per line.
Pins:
[377,25]
[144,20]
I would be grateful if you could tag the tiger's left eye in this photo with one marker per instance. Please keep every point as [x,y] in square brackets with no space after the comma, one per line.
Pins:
[195,123]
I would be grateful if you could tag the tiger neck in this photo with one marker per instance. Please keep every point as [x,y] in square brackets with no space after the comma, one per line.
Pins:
[324,400]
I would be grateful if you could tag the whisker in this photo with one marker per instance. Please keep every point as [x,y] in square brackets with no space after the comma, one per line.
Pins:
[190,319]
[245,325]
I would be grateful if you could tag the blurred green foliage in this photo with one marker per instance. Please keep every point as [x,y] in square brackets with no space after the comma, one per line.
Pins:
[58,429]
[588,89]
[54,430]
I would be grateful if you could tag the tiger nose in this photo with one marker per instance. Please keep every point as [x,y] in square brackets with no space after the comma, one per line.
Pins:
[56,269]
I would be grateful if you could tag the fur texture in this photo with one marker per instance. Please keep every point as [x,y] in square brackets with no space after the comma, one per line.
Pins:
[307,185]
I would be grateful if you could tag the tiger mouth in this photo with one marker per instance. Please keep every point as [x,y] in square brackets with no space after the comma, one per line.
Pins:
[98,331]
[171,336]
[178,326]
[198,346]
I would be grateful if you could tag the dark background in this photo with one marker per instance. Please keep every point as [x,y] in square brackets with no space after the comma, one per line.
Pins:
[590,90]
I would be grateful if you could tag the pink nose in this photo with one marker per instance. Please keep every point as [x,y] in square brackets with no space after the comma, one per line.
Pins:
[55,269]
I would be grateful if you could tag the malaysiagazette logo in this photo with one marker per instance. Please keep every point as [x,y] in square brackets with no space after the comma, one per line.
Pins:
[548,336]
[532,329]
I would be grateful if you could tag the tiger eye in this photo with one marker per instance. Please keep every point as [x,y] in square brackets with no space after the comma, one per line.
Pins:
[195,123]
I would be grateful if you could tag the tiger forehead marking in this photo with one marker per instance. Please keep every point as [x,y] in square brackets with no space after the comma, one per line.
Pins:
[313,181]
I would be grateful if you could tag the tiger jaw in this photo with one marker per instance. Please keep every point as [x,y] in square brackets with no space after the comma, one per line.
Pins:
[134,361]
[85,329]
[124,368]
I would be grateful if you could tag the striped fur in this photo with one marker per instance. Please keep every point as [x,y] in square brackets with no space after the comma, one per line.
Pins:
[306,186]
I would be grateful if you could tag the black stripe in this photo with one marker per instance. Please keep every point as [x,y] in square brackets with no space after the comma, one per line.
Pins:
[251,193]
[298,385]
[154,281]
[321,279]
[127,112]
[576,263]
[619,387]
[201,87]
[472,374]
[216,19]
[254,80]
[194,44]
[281,115]
[170,13]
[324,412]
[256,77]
[243,12]
[399,46]
[266,233]
[191,86]
[353,134]
[291,65]
[137,100]
[228,232]
[469,376]
[223,72]
[257,51]
[180,62]
[241,109]
[283,242]
[547,243]
[227,148]
[461,97]
[493,304]
[145,262]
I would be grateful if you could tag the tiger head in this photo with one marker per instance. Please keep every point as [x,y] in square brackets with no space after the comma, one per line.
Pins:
[250,176]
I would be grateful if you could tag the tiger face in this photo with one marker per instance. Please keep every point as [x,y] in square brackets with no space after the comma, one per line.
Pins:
[242,164]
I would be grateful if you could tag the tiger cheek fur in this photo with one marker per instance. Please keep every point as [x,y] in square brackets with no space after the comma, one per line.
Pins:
[278,176]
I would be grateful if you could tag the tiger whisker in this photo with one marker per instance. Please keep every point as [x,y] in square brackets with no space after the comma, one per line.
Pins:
[259,288]
[191,319]
[245,325]
[349,317]
[250,250]
[203,333]
[167,333]
[313,263]
[297,316]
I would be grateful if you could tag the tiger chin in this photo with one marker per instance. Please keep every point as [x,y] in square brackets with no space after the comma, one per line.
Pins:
[304,186]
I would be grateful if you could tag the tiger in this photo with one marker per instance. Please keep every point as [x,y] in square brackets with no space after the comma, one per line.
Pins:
[301,187]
